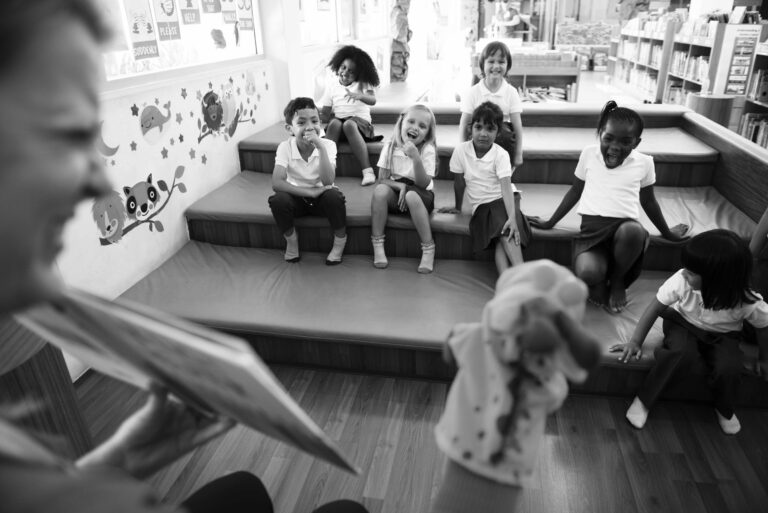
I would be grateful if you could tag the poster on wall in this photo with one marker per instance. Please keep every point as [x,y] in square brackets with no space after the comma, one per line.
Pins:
[245,14]
[190,11]
[211,6]
[167,20]
[141,29]
[228,11]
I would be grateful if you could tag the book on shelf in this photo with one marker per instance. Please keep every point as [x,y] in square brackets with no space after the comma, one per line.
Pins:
[754,126]
[210,371]
[758,89]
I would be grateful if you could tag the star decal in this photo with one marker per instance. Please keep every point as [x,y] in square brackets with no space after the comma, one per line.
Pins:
[192,154]
[191,114]
[172,141]
[266,87]
[210,85]
[231,81]
[112,162]
[184,92]
[181,138]
[238,91]
[157,101]
[164,152]
[204,159]
[134,110]
[199,95]
[133,145]
[179,118]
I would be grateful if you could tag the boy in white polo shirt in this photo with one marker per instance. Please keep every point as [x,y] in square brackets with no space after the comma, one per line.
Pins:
[305,168]
[482,168]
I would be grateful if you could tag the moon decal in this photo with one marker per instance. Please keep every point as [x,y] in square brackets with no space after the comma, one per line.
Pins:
[102,146]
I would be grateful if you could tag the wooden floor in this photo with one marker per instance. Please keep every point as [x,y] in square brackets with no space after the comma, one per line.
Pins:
[591,461]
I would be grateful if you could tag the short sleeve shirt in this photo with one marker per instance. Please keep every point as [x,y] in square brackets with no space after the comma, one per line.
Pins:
[482,174]
[506,98]
[343,107]
[613,192]
[678,294]
[402,165]
[303,173]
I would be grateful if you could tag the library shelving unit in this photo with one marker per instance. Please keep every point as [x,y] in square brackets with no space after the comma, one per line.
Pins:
[613,53]
[642,59]
[713,58]
[755,114]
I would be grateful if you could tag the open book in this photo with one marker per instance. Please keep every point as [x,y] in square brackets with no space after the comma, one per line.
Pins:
[211,371]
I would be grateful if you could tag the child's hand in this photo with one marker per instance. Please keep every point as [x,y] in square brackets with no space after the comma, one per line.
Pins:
[517,162]
[352,95]
[449,210]
[401,204]
[511,232]
[313,138]
[677,233]
[410,150]
[628,350]
[538,222]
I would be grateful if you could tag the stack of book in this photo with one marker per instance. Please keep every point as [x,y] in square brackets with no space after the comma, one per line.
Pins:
[754,126]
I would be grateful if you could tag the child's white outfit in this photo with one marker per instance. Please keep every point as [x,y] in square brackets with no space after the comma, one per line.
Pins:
[497,406]
[343,107]
[300,172]
[506,98]
[482,175]
[401,165]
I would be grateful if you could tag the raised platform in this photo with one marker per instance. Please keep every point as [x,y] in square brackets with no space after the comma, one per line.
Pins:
[355,317]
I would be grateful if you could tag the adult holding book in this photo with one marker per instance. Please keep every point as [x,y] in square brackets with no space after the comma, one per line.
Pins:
[49,75]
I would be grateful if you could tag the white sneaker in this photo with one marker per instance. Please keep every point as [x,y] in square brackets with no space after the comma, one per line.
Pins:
[637,413]
[729,426]
[369,177]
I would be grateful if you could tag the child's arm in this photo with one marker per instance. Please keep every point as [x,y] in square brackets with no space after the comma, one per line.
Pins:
[459,185]
[280,184]
[644,325]
[517,127]
[651,207]
[367,97]
[510,226]
[421,178]
[327,170]
[464,123]
[326,113]
[569,200]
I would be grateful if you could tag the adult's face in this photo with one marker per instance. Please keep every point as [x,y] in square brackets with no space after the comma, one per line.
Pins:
[48,162]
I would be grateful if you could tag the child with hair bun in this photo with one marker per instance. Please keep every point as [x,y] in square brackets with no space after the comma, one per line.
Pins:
[346,104]
[512,371]
[612,180]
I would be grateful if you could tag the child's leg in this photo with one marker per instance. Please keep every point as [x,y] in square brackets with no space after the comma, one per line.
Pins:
[591,267]
[357,143]
[285,208]
[725,359]
[333,130]
[420,217]
[383,199]
[332,205]
[500,256]
[628,243]
[512,251]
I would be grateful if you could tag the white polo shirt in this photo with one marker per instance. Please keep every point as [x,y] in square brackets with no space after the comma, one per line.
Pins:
[506,98]
[613,192]
[303,173]
[676,293]
[343,107]
[481,175]
[402,165]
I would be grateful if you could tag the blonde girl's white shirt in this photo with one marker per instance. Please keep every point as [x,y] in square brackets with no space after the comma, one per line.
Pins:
[336,97]
[300,172]
[506,98]
[613,192]
[401,165]
[481,174]
[678,294]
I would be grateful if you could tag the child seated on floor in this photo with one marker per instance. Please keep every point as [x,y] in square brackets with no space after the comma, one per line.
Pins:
[346,104]
[703,305]
[611,181]
[512,370]
[482,168]
[305,168]
[406,168]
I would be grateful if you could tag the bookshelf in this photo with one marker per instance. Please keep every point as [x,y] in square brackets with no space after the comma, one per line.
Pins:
[642,58]
[754,118]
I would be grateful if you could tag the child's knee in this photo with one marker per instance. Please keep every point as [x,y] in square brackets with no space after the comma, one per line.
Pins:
[412,199]
[589,273]
[349,126]
[334,197]
[630,231]
[381,193]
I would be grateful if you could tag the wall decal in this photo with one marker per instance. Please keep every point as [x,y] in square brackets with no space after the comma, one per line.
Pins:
[219,41]
[134,110]
[184,92]
[140,206]
[102,147]
[190,12]
[142,29]
[222,113]
[152,121]
[167,20]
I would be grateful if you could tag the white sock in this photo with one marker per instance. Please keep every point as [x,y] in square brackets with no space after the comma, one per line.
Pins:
[729,426]
[637,413]
[427,257]
[379,257]
[369,176]
[334,257]
[292,247]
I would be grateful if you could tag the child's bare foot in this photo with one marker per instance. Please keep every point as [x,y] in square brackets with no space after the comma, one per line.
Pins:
[617,299]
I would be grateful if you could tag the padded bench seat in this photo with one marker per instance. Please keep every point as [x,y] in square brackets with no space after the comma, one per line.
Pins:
[244,199]
[320,310]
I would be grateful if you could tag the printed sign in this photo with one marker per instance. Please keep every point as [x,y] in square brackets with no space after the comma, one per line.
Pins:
[167,20]
[228,11]
[245,14]
[211,6]
[190,11]
[141,29]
